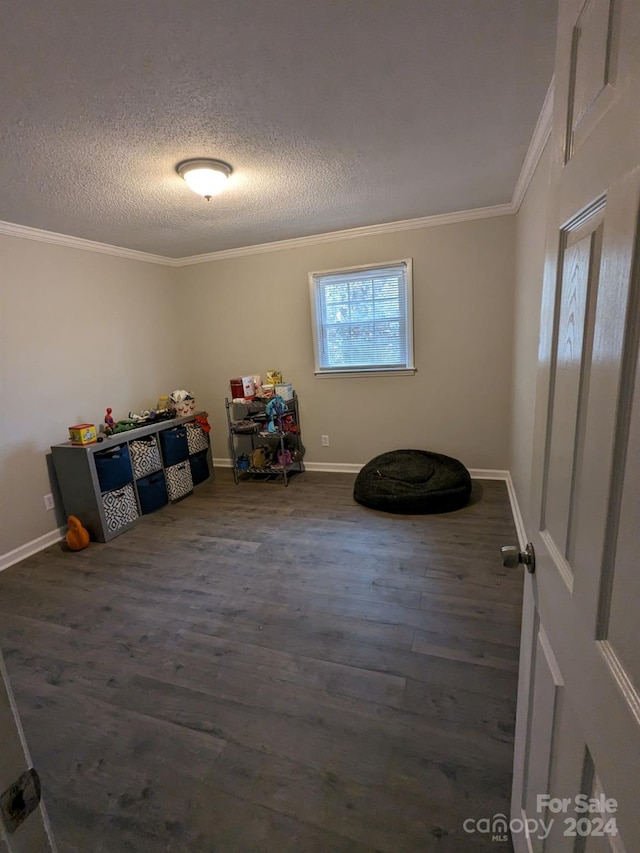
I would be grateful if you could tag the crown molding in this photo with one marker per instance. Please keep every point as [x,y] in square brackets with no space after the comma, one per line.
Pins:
[11,229]
[534,152]
[536,147]
[352,234]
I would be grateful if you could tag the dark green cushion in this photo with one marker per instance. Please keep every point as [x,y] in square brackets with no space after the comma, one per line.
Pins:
[413,481]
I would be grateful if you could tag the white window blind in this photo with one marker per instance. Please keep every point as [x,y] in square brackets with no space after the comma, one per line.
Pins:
[362,319]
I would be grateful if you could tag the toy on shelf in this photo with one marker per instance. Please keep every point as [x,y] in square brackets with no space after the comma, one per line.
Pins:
[183,402]
[124,425]
[289,425]
[275,409]
[150,416]
[284,457]
[83,434]
[203,422]
[261,457]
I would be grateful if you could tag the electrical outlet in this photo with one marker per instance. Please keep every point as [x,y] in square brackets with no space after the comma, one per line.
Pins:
[325,440]
[48,502]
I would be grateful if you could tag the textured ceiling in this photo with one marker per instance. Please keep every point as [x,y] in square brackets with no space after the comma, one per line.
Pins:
[334,113]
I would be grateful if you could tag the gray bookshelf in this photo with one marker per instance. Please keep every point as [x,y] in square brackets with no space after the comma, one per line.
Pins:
[139,464]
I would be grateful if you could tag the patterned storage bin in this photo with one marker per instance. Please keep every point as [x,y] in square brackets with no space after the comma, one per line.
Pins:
[120,507]
[197,438]
[145,456]
[179,482]
[184,408]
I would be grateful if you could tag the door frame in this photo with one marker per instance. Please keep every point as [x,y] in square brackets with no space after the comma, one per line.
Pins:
[35,833]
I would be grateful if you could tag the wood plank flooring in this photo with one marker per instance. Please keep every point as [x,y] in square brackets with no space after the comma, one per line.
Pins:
[262,669]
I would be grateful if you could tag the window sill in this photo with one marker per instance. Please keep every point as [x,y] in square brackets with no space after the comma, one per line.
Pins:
[361,374]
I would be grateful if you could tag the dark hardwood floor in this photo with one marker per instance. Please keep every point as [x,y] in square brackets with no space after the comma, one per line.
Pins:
[263,669]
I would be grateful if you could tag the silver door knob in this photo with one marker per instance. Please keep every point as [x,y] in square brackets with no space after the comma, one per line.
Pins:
[512,557]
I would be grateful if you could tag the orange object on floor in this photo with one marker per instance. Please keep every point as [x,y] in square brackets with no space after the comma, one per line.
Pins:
[77,536]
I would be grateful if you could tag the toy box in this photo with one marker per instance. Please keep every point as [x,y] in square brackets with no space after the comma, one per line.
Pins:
[284,390]
[237,389]
[185,408]
[248,387]
[83,434]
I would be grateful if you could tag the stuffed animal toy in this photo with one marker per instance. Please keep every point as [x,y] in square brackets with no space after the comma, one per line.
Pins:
[276,408]
[284,458]
[261,457]
[289,425]
[77,537]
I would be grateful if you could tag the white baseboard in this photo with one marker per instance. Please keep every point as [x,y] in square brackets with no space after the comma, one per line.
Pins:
[221,462]
[31,548]
[517,515]
[327,467]
[335,467]
[488,474]
[354,467]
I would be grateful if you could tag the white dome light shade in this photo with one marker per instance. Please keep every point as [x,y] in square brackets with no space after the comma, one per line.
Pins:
[205,177]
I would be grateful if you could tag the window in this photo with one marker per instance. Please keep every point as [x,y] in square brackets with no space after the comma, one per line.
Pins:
[362,320]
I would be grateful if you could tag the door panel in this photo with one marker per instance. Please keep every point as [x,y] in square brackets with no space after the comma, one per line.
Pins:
[546,693]
[594,60]
[578,727]
[578,289]
[566,777]
[616,322]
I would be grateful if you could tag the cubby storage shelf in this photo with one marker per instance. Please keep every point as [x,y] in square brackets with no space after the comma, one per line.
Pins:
[110,484]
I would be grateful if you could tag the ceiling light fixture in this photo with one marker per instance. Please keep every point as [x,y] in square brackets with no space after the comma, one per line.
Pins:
[205,177]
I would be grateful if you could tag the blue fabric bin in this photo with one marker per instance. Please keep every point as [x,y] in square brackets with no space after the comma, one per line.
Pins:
[113,467]
[152,492]
[174,445]
[199,467]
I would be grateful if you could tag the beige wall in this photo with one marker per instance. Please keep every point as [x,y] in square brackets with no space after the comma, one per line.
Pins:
[251,314]
[78,331]
[530,238]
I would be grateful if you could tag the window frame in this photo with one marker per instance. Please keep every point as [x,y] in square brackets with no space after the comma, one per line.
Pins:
[350,372]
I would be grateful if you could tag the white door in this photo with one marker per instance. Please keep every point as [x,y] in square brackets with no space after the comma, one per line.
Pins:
[33,834]
[578,727]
